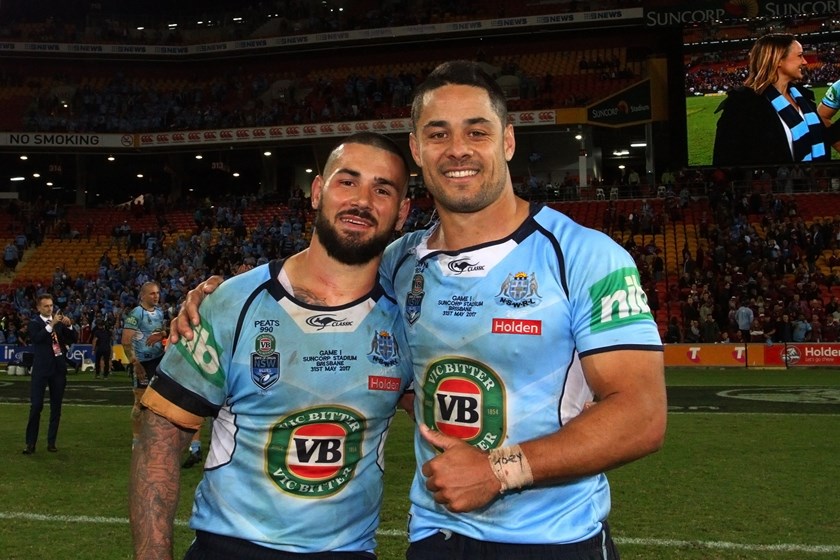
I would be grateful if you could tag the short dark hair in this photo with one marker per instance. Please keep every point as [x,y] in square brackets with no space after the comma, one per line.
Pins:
[377,141]
[463,73]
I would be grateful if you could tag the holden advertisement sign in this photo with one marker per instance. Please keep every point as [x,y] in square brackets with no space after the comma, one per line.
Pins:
[630,106]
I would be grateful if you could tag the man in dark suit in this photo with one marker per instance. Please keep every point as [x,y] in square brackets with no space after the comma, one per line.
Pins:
[50,335]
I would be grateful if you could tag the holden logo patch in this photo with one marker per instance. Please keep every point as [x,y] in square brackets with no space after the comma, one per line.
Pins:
[464,398]
[313,453]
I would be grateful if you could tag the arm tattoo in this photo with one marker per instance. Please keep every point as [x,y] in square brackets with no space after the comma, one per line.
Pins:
[154,486]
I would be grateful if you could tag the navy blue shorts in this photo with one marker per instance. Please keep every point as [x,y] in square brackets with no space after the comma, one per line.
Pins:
[150,367]
[459,547]
[209,546]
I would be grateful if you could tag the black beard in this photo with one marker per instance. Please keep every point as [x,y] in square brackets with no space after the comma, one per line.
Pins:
[349,249]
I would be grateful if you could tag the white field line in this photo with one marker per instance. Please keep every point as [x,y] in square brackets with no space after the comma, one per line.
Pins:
[662,543]
[65,404]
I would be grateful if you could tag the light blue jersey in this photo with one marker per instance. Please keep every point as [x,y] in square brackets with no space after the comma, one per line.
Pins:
[144,324]
[496,334]
[831,99]
[303,397]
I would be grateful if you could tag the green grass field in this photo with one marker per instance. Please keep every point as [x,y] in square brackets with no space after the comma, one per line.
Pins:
[701,122]
[749,471]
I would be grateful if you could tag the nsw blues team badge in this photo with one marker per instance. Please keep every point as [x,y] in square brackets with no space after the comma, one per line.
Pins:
[519,290]
[383,349]
[265,362]
[414,299]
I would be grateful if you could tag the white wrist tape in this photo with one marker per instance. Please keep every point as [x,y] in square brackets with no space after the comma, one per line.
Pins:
[511,467]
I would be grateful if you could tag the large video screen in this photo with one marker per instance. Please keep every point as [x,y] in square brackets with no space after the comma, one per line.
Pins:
[715,62]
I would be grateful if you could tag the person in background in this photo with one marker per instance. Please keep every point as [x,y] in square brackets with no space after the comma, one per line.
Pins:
[710,330]
[144,329]
[744,316]
[50,334]
[102,349]
[771,119]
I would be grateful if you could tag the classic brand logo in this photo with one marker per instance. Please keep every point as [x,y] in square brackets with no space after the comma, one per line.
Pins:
[617,300]
[323,321]
[459,266]
[464,398]
[313,453]
[516,326]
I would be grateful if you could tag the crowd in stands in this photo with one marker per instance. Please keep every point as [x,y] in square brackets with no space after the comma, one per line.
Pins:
[207,22]
[754,251]
[220,244]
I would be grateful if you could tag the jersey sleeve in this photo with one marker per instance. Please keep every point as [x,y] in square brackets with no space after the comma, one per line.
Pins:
[609,306]
[193,381]
[831,99]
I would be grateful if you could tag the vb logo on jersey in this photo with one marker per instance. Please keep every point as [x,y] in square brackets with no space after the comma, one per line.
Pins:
[617,300]
[464,398]
[313,453]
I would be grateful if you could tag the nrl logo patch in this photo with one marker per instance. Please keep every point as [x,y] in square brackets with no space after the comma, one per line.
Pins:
[384,349]
[265,370]
[414,299]
[519,290]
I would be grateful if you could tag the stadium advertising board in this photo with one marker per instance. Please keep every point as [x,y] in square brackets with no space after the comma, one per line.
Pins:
[805,354]
[631,105]
[706,355]
[14,353]
[670,13]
